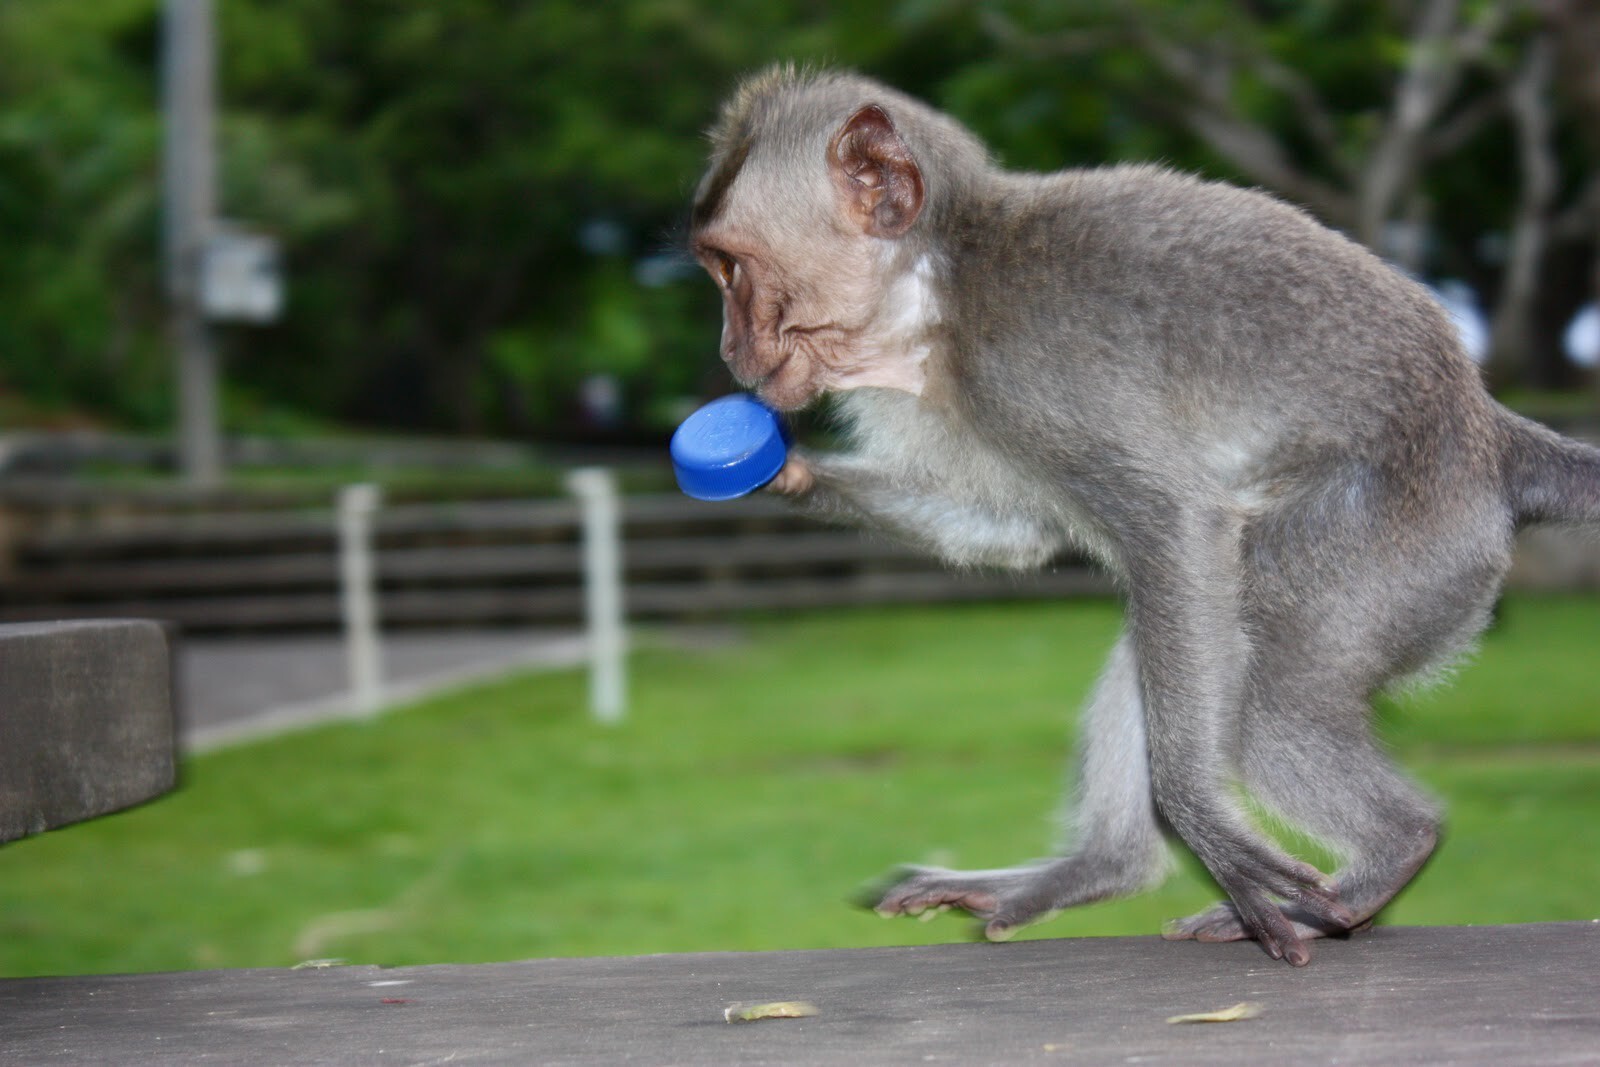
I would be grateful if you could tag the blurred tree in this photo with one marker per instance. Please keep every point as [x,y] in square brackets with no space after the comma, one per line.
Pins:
[81,317]
[479,200]
[1358,111]
[465,152]
[1575,25]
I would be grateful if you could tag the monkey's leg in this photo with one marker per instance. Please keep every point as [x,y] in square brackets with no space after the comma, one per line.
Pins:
[1184,609]
[1118,846]
[1321,770]
[1378,605]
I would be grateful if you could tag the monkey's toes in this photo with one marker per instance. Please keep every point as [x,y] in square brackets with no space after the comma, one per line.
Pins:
[1220,922]
[915,890]
[1005,900]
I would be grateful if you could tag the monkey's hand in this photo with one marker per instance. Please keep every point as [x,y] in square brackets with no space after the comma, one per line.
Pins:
[795,479]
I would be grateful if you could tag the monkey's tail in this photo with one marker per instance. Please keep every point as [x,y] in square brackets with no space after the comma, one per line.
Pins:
[1549,478]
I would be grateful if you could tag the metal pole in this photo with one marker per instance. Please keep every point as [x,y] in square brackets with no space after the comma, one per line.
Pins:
[189,174]
[596,488]
[357,595]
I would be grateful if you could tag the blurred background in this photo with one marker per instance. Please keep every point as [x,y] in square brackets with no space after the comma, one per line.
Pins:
[253,252]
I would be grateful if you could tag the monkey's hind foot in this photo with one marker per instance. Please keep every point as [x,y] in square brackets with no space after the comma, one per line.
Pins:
[1004,900]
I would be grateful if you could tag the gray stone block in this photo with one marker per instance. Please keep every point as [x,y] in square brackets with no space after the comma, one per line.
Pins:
[86,721]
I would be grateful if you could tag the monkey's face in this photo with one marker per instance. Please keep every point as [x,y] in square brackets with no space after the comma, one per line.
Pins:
[792,331]
[808,258]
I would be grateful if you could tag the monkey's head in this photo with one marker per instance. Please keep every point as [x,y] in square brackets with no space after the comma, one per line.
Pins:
[807,220]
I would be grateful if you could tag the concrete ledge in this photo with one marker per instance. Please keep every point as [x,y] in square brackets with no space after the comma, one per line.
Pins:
[86,722]
[1405,995]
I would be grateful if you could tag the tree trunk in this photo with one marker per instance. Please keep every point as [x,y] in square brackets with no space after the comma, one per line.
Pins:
[1511,338]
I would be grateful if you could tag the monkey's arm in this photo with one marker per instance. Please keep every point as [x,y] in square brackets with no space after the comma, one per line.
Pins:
[910,507]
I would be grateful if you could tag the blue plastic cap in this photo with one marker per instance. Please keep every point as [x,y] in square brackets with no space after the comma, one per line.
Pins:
[728,448]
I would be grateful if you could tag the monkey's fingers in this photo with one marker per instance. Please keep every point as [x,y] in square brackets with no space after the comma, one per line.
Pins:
[794,478]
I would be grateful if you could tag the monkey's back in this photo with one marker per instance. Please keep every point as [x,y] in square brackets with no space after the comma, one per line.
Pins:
[1183,306]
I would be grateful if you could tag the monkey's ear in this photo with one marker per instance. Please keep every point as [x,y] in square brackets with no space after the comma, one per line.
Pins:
[875,173]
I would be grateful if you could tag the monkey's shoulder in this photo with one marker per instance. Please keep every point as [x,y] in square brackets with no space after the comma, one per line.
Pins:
[1144,200]
[1206,246]
[1161,187]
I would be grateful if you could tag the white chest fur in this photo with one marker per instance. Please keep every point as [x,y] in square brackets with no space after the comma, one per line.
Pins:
[975,505]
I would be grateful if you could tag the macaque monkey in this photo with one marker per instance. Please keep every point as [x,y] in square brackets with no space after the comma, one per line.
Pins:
[1273,440]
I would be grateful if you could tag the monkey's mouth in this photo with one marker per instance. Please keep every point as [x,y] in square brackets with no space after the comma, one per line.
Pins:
[759,381]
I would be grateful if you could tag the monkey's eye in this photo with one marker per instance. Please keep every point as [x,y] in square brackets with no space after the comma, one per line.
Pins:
[726,268]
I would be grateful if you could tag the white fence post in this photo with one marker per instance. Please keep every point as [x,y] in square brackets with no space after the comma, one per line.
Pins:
[596,488]
[357,596]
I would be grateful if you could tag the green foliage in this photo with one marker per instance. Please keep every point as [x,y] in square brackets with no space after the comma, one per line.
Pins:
[79,309]
[432,170]
[473,145]
[753,789]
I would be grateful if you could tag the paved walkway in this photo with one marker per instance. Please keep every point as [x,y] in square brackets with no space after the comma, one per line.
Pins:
[236,689]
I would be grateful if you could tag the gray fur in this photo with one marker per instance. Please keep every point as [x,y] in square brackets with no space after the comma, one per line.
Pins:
[1272,438]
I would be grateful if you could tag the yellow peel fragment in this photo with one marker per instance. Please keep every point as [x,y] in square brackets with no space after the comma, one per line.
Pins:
[782,1009]
[1242,1010]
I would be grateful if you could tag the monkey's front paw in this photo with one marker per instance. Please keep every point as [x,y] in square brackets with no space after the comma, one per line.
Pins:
[1005,900]
[794,478]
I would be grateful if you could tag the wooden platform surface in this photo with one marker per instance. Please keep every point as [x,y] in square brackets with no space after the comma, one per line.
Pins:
[1459,995]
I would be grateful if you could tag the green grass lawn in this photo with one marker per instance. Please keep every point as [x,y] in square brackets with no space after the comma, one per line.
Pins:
[754,788]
